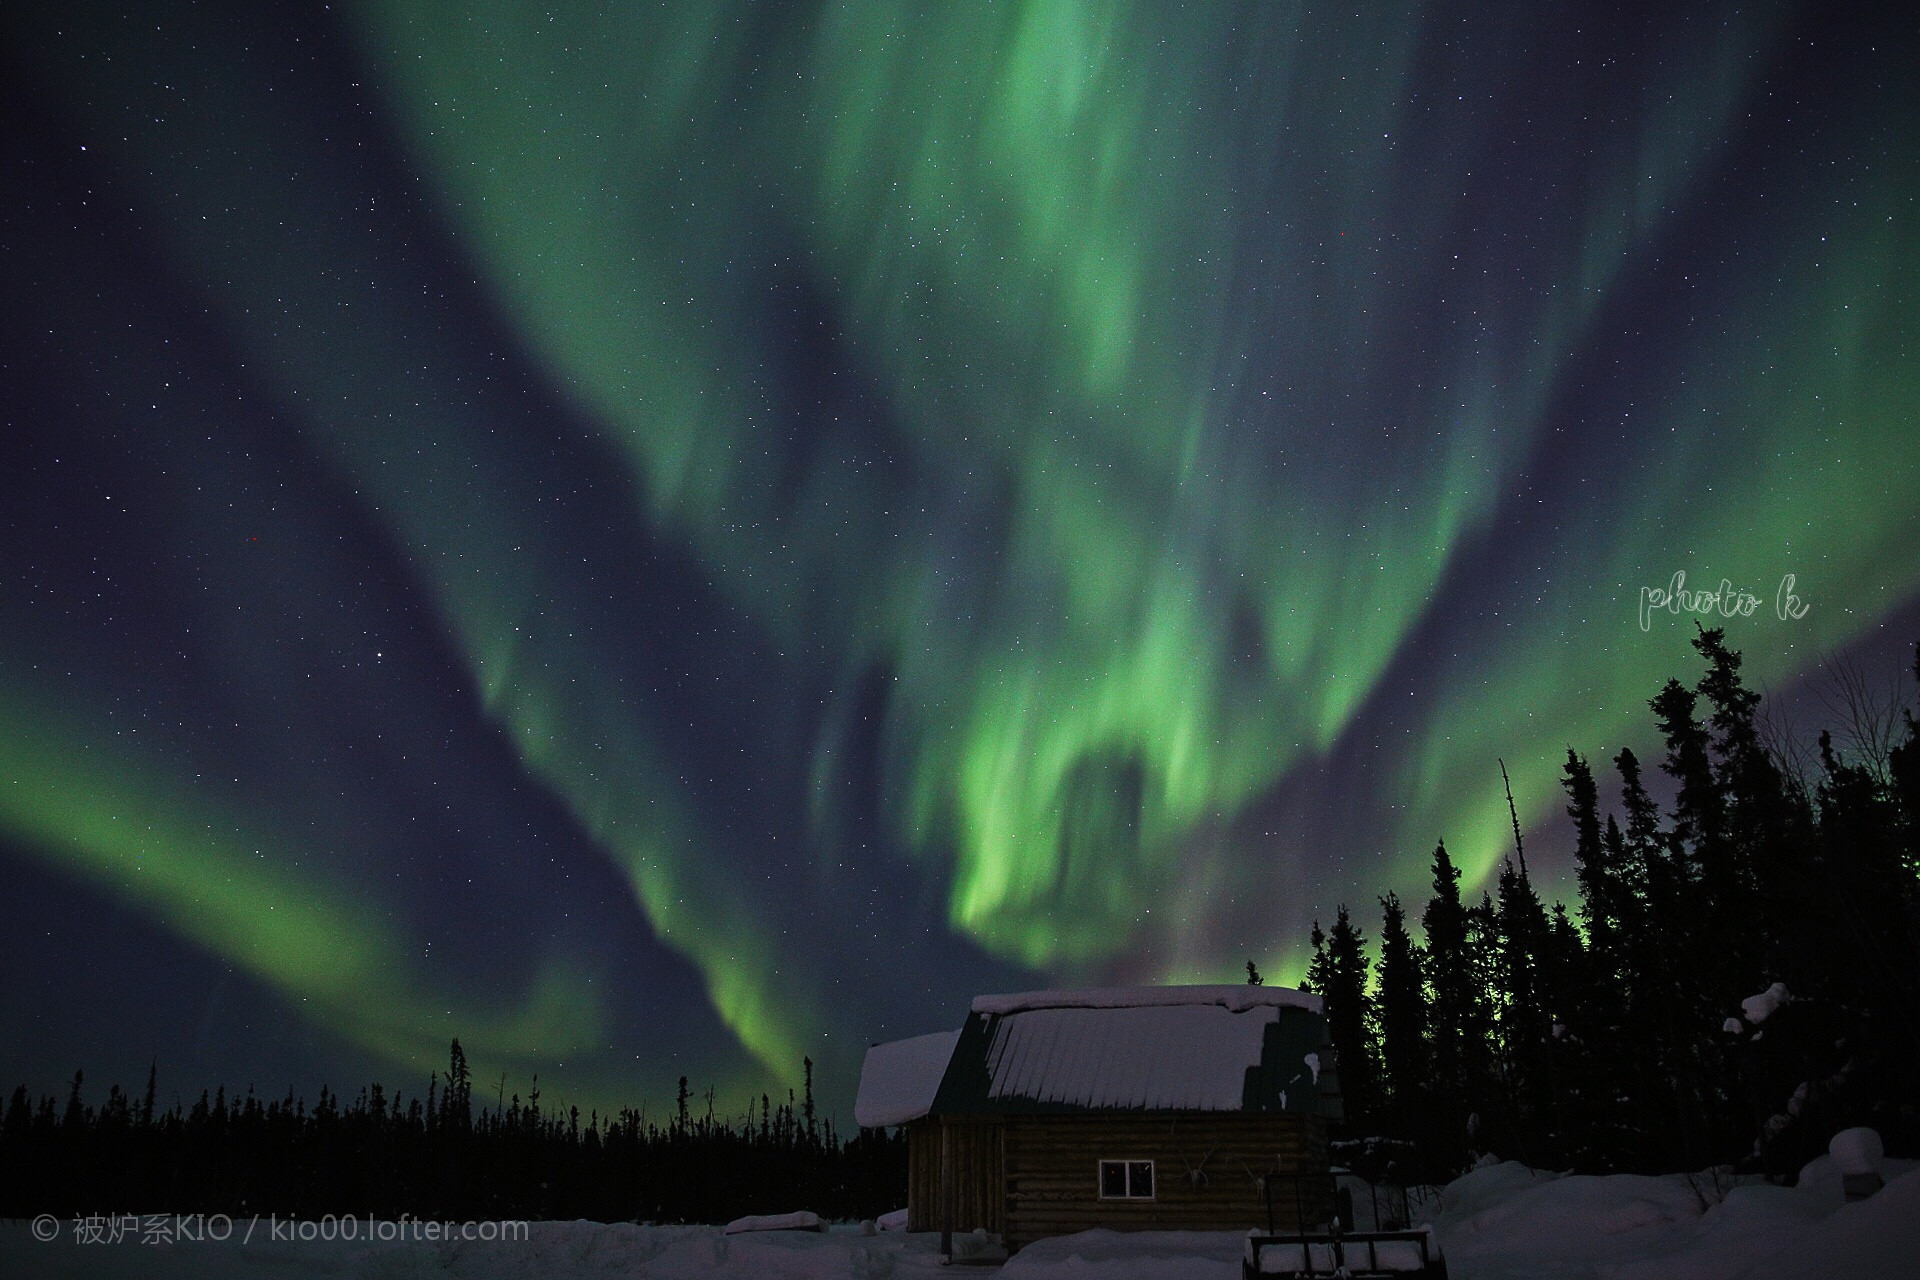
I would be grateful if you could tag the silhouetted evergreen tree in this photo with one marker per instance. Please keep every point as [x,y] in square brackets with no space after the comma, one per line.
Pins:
[1604,891]
[1709,882]
[1767,833]
[1662,1000]
[807,1105]
[1349,1017]
[1521,1004]
[1487,1085]
[1698,821]
[1455,1018]
[1401,1013]
[1319,979]
[458,1099]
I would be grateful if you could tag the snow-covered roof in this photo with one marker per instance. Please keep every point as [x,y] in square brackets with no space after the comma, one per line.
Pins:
[899,1079]
[1237,997]
[1164,1058]
[1195,1048]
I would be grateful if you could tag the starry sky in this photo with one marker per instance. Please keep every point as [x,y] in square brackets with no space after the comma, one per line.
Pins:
[673,539]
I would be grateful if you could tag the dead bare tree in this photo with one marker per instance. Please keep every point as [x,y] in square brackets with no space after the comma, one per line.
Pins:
[1869,711]
[1798,763]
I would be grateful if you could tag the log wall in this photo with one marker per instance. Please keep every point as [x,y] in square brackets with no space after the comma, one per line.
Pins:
[975,1147]
[1052,1171]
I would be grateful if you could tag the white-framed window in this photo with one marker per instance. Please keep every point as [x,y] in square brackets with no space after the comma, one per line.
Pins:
[1126,1179]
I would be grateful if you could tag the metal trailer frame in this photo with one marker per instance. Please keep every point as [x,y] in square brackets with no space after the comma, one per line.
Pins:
[1334,1251]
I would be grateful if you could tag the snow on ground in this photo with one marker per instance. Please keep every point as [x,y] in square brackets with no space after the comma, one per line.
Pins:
[801,1220]
[1878,1236]
[1507,1221]
[1131,1255]
[1502,1222]
[553,1251]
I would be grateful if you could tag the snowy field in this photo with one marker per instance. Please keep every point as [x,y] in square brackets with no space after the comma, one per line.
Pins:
[1498,1222]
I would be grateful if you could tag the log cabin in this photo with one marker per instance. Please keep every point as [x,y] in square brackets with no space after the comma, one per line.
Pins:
[1133,1108]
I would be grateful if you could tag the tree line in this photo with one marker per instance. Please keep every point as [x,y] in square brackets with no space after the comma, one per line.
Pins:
[1739,979]
[437,1157]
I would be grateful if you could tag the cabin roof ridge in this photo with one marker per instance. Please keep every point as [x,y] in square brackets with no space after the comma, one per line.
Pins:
[1236,997]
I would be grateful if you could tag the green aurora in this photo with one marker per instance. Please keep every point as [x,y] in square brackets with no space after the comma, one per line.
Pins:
[1131,469]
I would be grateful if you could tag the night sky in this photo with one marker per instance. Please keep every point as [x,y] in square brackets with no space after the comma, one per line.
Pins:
[665,540]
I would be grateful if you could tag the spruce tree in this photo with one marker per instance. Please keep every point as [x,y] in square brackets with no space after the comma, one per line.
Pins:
[1591,980]
[1767,835]
[1699,826]
[812,1131]
[1486,1085]
[1603,892]
[1867,953]
[1903,772]
[1647,866]
[1579,1105]
[1643,815]
[1401,1008]
[457,1100]
[1698,927]
[1523,1020]
[1319,969]
[1453,1012]
[1349,1019]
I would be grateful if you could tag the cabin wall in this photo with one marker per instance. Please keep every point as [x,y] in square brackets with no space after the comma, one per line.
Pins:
[1052,1170]
[974,1145]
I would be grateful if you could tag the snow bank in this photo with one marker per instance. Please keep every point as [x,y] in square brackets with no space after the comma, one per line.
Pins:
[1879,1236]
[1823,1181]
[1501,1222]
[781,1255]
[1507,1221]
[1856,1151]
[1238,997]
[1131,1255]
[804,1220]
[1761,1007]
[898,1080]
[553,1251]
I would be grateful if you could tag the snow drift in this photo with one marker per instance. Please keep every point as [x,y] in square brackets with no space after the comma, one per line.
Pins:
[1501,1222]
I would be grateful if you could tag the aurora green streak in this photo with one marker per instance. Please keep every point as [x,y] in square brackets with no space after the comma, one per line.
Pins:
[1221,433]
